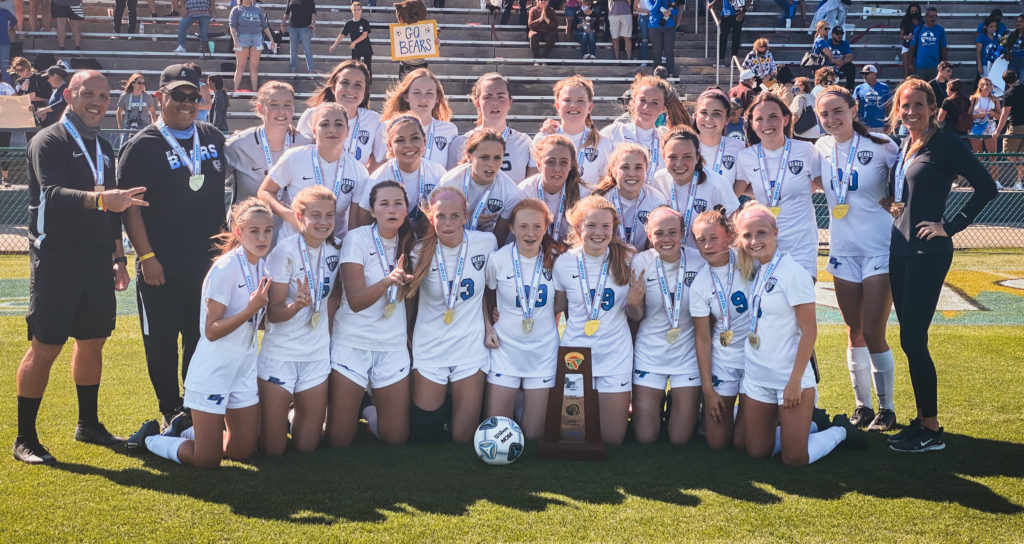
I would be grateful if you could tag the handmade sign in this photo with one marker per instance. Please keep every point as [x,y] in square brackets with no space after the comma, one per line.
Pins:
[414,41]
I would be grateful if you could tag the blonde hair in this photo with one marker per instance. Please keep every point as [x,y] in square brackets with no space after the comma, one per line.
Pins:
[761,41]
[397,101]
[227,240]
[619,252]
[268,89]
[744,261]
[429,240]
[675,113]
[576,80]
[324,108]
[315,193]
[716,216]
[920,85]
[608,182]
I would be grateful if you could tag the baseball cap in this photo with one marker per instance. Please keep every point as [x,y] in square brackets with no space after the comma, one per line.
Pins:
[179,75]
[838,30]
[869,69]
[746,74]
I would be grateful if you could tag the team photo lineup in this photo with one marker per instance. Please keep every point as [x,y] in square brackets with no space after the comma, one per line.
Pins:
[380,269]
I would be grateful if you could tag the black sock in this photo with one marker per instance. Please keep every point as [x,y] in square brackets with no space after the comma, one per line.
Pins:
[88,397]
[28,409]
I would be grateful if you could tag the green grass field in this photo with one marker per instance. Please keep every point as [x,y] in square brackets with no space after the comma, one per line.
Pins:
[971,492]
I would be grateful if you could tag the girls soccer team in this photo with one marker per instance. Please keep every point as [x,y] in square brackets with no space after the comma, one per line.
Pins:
[432,269]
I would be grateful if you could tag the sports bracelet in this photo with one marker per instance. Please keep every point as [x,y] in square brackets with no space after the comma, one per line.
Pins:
[149,255]
[99,202]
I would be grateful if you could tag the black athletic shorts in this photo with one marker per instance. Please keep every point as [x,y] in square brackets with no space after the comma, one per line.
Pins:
[69,297]
[74,13]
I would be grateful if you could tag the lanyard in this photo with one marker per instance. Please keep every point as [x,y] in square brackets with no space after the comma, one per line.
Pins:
[321,272]
[384,266]
[900,176]
[718,156]
[723,294]
[354,139]
[843,178]
[673,307]
[430,140]
[773,188]
[450,289]
[506,133]
[194,163]
[421,186]
[626,233]
[479,210]
[691,195]
[581,153]
[527,298]
[759,284]
[590,299]
[553,229]
[338,174]
[251,284]
[261,135]
[95,167]
[653,164]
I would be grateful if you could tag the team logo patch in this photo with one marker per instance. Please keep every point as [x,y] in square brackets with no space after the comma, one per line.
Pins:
[106,161]
[332,262]
[478,261]
[864,157]
[547,273]
[770,285]
[364,136]
[700,205]
[690,276]
[590,153]
[494,205]
[347,185]
[441,142]
[643,216]
[796,166]
[728,161]
[217,165]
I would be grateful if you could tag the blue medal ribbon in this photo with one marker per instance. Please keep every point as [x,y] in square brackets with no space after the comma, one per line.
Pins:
[527,302]
[773,188]
[760,281]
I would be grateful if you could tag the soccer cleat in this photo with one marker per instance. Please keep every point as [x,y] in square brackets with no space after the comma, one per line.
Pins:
[856,439]
[137,441]
[862,416]
[96,434]
[910,429]
[32,453]
[884,420]
[178,423]
[923,440]
[821,419]
[165,421]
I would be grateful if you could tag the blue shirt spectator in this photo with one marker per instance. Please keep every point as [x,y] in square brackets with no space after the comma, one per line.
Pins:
[929,45]
[819,45]
[839,50]
[660,20]
[872,97]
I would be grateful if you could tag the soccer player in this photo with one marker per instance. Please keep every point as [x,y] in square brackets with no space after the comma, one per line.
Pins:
[710,118]
[574,103]
[420,94]
[491,194]
[558,184]
[632,197]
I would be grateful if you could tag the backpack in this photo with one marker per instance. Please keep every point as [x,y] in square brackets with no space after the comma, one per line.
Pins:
[965,119]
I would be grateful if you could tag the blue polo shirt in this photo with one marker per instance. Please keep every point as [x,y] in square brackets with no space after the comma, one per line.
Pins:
[930,42]
[871,103]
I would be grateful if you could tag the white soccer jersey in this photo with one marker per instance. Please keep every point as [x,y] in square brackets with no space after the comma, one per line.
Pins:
[244,153]
[368,328]
[440,135]
[522,354]
[518,154]
[714,191]
[798,228]
[772,363]
[592,160]
[723,164]
[704,302]
[503,196]
[866,229]
[633,213]
[294,172]
[611,347]
[531,187]
[649,139]
[365,134]
[297,339]
[430,171]
[653,352]
[434,343]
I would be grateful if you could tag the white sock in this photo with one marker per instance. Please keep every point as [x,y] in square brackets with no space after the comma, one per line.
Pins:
[370,415]
[859,362]
[165,446]
[884,373]
[778,438]
[189,433]
[820,444]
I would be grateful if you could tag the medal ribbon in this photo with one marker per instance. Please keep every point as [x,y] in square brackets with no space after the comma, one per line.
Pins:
[96,167]
[353,136]
[479,210]
[673,306]
[773,188]
[321,272]
[387,268]
[338,174]
[261,135]
[900,175]
[450,290]
[719,155]
[194,163]
[398,177]
[759,284]
[430,141]
[555,225]
[723,301]
[527,302]
[251,284]
[653,164]
[590,301]
[691,195]
[623,230]
[843,178]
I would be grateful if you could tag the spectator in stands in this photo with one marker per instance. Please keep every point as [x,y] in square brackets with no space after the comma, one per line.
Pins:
[643,27]
[929,45]
[10,23]
[731,17]
[662,29]
[1012,121]
[997,16]
[197,11]
[840,56]
[1014,49]
[506,11]
[57,77]
[987,46]
[64,11]
[953,106]
[832,12]
[543,25]
[744,91]
[30,83]
[219,102]
[823,77]
[588,25]
[760,61]
[737,125]
[300,16]
[985,109]
[133,18]
[942,75]
[782,85]
[620,21]
[788,10]
[38,8]
[358,31]
[911,20]
[803,99]
[248,24]
[136,108]
[873,99]
[572,8]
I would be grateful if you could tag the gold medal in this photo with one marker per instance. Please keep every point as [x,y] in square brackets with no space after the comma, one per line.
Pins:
[389,310]
[99,188]
[590,327]
[527,324]
[899,206]
[725,338]
[196,181]
[755,342]
[315,320]
[776,210]
[673,335]
[840,211]
[449,316]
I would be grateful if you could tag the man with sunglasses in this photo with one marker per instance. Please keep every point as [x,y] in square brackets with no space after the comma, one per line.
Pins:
[76,260]
[181,163]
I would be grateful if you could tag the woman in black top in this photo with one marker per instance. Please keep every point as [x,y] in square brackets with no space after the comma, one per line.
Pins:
[921,248]
[955,104]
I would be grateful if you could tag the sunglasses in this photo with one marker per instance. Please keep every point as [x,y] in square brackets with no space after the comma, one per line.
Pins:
[182,96]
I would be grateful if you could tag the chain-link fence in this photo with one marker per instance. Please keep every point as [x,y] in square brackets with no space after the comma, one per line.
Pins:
[1000,225]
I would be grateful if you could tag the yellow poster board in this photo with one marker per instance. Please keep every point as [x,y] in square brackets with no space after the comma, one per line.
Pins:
[415,41]
[16,112]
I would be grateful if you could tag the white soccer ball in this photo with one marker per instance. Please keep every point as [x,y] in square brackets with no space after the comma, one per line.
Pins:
[498,441]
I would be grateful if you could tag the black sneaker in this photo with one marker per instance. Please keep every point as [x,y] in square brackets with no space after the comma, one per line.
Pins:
[165,421]
[862,416]
[856,439]
[884,420]
[178,424]
[96,434]
[923,440]
[821,419]
[137,441]
[910,429]
[32,453]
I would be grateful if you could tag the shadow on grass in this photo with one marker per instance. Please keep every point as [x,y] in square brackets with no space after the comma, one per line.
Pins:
[368,481]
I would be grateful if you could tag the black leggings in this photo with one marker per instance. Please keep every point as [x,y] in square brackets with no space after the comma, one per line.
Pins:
[730,27]
[916,282]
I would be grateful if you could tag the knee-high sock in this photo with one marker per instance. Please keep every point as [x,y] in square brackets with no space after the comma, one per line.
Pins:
[859,362]
[370,415]
[778,438]
[165,446]
[189,433]
[820,444]
[882,370]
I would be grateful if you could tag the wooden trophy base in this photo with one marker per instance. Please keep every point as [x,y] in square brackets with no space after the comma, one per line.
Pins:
[572,429]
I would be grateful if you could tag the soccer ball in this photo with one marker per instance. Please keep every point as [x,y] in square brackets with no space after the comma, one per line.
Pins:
[498,441]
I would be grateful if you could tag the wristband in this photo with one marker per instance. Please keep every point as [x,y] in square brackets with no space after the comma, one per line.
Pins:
[99,202]
[122,259]
[149,255]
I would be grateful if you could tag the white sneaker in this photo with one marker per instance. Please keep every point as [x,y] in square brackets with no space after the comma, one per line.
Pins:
[1018,186]
[180,49]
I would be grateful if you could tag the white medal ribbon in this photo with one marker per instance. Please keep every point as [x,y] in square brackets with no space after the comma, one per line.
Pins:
[315,289]
[527,299]
[430,140]
[450,289]
[723,294]
[421,185]
[261,135]
[590,303]
[193,163]
[900,174]
[718,157]
[243,263]
[96,167]
[579,147]
[760,281]
[691,195]
[480,206]
[773,188]
[626,233]
[653,163]
[673,306]
[353,140]
[841,180]
[384,264]
[553,228]
[338,174]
